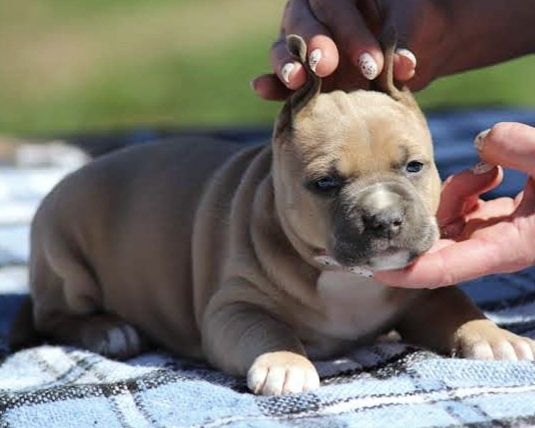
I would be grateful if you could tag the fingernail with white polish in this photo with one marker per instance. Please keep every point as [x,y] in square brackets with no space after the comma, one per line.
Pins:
[482,168]
[314,59]
[407,54]
[368,66]
[286,71]
[480,139]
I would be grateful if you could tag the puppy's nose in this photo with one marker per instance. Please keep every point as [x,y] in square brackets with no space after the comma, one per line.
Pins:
[382,211]
[385,222]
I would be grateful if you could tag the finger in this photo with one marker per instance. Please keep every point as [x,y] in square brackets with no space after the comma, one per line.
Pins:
[404,65]
[321,50]
[460,192]
[269,87]
[494,208]
[518,198]
[455,262]
[508,144]
[526,199]
[323,54]
[289,71]
[349,29]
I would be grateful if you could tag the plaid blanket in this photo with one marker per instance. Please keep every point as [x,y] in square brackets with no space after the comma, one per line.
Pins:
[387,385]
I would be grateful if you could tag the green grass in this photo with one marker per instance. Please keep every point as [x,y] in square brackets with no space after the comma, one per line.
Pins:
[207,89]
[73,65]
[508,84]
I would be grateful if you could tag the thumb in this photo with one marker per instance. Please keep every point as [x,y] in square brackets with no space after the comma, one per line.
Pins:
[509,144]
[269,87]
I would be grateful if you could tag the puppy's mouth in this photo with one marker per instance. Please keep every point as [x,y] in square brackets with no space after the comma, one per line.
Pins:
[389,259]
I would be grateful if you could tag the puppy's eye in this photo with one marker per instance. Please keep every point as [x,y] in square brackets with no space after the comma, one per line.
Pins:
[414,167]
[325,185]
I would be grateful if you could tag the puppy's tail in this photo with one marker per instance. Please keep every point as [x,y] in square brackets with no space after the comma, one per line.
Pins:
[22,333]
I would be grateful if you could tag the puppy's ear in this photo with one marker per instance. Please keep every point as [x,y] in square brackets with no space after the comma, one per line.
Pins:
[385,82]
[302,98]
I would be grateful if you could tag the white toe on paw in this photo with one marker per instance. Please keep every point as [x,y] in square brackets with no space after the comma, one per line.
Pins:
[256,378]
[525,349]
[277,373]
[503,350]
[274,383]
[497,344]
[478,351]
[295,380]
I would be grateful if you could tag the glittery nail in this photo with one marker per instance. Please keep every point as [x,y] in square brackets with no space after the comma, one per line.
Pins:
[482,168]
[314,59]
[479,141]
[368,66]
[286,71]
[407,54]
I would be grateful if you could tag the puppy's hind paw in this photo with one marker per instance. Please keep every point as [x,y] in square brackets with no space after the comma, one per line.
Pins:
[112,337]
[277,373]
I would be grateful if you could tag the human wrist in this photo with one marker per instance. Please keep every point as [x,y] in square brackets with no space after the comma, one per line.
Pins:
[480,33]
[427,33]
[442,45]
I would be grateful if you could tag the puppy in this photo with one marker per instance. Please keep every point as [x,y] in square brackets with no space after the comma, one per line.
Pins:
[256,258]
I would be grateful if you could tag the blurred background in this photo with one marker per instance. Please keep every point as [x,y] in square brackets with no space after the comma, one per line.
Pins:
[77,65]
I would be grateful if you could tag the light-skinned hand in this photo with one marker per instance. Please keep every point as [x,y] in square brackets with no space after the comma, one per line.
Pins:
[481,237]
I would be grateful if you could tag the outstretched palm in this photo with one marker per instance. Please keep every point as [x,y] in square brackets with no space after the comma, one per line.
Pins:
[481,237]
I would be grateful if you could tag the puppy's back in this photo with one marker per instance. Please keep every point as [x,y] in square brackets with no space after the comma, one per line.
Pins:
[97,242]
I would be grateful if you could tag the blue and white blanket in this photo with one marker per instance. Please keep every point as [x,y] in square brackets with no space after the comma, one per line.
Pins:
[387,385]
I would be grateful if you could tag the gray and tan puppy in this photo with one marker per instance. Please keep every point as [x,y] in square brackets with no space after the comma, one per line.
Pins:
[250,257]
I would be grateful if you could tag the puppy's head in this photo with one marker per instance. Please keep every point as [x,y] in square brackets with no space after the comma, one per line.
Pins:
[355,180]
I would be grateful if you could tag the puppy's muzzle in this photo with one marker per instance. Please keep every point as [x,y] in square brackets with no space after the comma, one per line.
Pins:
[384,224]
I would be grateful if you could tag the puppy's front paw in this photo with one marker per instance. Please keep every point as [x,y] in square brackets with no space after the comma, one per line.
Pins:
[483,340]
[276,373]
